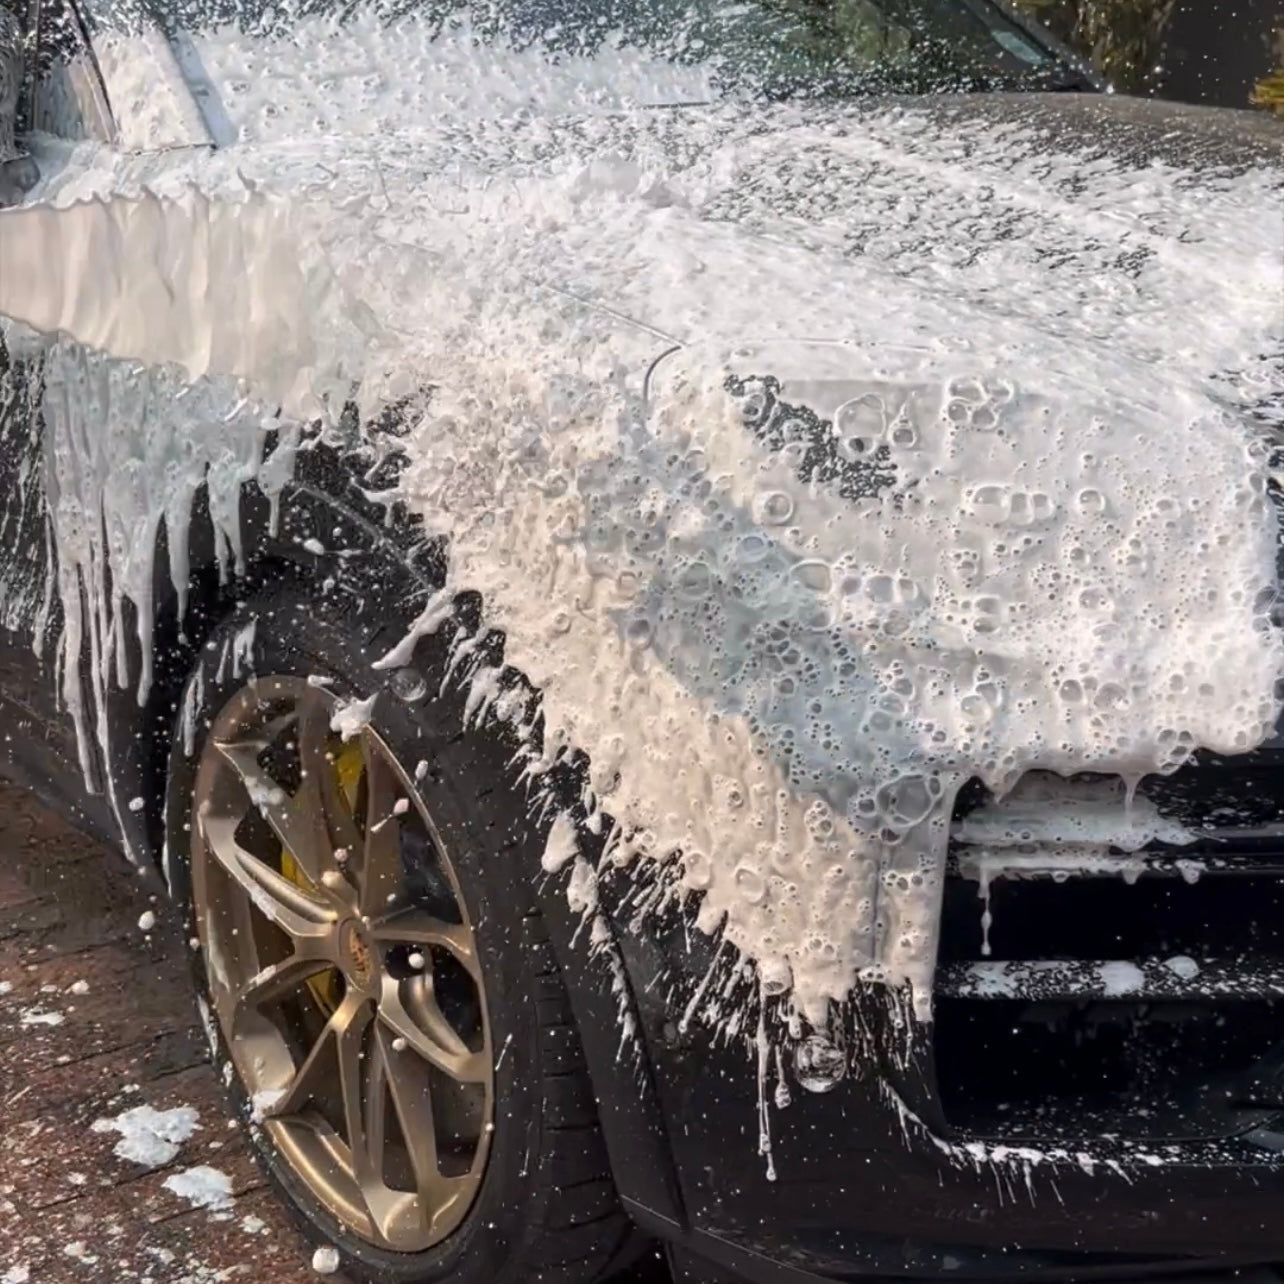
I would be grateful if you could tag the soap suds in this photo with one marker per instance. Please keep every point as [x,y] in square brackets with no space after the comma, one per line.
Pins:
[1049,827]
[787,596]
[562,845]
[31,1017]
[350,716]
[202,1187]
[1074,814]
[322,75]
[822,670]
[262,1102]
[1183,966]
[150,1136]
[325,1260]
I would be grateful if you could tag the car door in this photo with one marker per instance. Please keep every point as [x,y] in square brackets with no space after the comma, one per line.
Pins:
[60,99]
[109,107]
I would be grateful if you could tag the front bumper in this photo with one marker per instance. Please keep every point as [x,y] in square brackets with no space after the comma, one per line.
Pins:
[865,1188]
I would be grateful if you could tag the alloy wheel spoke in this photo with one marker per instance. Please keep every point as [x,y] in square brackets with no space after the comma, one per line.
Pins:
[280,901]
[299,824]
[379,877]
[418,927]
[390,1210]
[355,1076]
[314,1073]
[280,980]
[288,819]
[374,1108]
[412,1102]
[427,1032]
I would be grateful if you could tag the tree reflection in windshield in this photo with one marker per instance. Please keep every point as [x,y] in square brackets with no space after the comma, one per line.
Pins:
[761,48]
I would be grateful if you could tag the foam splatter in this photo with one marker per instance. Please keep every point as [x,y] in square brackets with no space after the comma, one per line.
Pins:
[150,1136]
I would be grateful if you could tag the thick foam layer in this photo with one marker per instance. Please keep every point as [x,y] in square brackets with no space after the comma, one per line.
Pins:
[1076,815]
[786,595]
[363,75]
[155,282]
[781,685]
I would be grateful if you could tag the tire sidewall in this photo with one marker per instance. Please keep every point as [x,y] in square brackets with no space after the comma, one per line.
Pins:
[473,794]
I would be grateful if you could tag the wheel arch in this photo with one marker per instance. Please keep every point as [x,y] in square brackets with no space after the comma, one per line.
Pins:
[387,558]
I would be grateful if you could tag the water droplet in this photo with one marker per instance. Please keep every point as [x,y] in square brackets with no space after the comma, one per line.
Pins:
[408,685]
[750,884]
[819,1066]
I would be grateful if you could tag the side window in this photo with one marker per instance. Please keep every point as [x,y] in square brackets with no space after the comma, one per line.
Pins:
[65,95]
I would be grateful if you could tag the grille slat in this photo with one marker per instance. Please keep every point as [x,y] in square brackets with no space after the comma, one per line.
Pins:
[1126,980]
[1115,965]
[1064,863]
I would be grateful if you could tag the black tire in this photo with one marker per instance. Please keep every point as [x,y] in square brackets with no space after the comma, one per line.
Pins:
[547,1209]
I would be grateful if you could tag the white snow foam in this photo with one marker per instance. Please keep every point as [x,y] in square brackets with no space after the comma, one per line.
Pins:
[202,1187]
[150,1136]
[784,686]
[779,685]
[359,74]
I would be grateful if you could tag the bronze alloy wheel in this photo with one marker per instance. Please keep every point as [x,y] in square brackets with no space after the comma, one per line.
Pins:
[343,968]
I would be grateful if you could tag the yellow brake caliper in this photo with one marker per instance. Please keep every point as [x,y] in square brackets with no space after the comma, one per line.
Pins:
[348,766]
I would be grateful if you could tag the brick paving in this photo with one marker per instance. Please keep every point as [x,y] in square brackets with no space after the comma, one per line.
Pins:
[96,1017]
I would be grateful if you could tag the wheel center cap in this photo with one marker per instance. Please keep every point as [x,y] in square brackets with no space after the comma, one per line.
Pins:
[359,958]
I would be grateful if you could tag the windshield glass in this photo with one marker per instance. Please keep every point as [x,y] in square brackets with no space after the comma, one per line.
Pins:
[789,47]
[758,48]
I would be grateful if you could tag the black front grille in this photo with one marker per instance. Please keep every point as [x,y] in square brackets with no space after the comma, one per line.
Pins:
[1139,994]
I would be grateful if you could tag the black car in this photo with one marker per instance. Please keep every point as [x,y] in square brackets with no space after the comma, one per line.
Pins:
[238,643]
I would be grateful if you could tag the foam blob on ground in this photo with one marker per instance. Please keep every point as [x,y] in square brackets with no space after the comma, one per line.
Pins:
[325,1260]
[202,1187]
[31,1017]
[150,1136]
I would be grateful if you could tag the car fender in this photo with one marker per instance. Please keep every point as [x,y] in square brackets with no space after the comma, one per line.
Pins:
[378,555]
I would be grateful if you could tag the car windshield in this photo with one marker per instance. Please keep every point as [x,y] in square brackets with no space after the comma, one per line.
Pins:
[759,48]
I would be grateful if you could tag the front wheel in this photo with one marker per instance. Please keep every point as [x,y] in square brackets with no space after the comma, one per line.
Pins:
[357,870]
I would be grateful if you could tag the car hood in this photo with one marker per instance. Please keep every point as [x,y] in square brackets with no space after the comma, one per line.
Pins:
[1109,223]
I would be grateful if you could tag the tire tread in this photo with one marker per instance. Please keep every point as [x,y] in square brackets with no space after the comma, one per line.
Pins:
[584,1227]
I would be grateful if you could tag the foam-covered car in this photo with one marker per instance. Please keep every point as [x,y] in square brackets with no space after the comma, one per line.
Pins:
[682,597]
